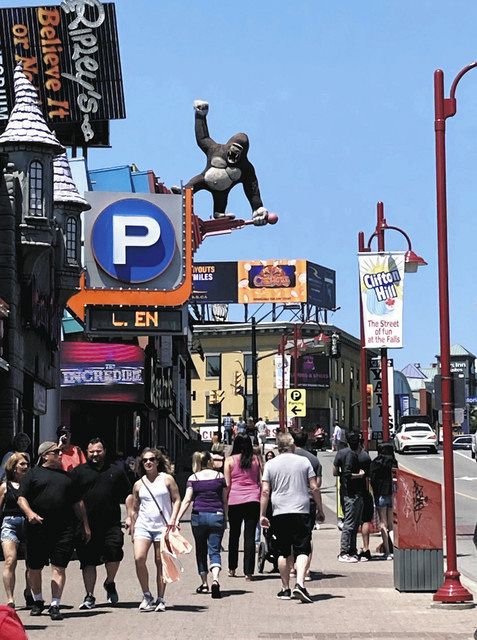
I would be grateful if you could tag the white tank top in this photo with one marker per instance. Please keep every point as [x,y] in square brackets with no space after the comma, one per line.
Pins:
[149,515]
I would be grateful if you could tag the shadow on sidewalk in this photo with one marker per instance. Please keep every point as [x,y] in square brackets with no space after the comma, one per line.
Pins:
[325,596]
[234,592]
[35,627]
[120,605]
[83,614]
[190,608]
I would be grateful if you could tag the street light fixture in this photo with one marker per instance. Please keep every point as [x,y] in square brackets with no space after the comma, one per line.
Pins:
[411,263]
[452,590]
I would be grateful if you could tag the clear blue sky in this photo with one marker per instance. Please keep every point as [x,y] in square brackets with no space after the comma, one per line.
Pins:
[337,99]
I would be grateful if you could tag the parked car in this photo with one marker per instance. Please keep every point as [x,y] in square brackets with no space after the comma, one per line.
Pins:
[415,436]
[474,446]
[462,442]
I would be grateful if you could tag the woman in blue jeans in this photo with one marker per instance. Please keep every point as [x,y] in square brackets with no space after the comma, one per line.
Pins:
[207,491]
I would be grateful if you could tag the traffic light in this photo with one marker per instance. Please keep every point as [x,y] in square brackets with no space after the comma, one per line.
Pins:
[335,346]
[238,388]
[369,396]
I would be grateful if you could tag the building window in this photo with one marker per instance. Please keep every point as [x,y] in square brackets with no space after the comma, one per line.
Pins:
[357,378]
[211,410]
[212,366]
[71,240]
[35,191]
[337,409]
[343,411]
[342,373]
[335,370]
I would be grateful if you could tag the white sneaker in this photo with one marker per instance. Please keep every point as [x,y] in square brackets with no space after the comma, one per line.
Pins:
[160,605]
[345,557]
[147,604]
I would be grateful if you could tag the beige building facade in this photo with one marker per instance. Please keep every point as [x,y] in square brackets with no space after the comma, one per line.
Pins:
[224,365]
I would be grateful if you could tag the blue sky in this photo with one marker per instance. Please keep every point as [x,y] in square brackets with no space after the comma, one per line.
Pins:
[337,99]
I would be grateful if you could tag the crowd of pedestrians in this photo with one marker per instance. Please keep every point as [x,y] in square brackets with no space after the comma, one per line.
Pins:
[68,501]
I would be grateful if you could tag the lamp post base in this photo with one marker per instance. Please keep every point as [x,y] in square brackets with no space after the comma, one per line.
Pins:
[452,590]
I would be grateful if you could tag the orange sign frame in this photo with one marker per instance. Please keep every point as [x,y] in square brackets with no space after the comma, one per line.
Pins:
[116,297]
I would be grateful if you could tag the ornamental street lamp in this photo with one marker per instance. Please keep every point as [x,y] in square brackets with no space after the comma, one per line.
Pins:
[452,590]
[411,263]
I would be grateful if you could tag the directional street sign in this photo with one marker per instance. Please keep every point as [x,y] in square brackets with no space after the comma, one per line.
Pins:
[296,402]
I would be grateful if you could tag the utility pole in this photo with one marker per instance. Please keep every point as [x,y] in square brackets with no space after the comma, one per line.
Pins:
[254,372]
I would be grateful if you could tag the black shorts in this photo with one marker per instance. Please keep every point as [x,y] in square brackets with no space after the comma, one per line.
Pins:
[49,542]
[311,518]
[292,531]
[368,508]
[106,545]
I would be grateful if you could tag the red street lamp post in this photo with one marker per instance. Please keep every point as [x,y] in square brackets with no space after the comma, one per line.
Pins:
[411,263]
[452,590]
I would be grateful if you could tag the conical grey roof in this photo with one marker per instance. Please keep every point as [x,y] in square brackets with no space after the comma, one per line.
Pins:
[64,188]
[26,124]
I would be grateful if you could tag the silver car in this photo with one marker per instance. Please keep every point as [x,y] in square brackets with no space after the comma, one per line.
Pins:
[415,436]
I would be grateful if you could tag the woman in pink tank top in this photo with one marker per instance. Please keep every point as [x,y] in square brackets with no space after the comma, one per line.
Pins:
[243,475]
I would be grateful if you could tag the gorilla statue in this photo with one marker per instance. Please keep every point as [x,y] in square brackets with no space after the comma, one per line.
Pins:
[227,165]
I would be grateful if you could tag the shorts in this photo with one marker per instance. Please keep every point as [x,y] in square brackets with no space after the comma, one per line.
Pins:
[292,531]
[141,531]
[106,545]
[311,517]
[383,502]
[13,529]
[368,508]
[49,542]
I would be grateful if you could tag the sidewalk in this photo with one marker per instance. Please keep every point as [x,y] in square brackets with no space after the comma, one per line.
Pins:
[351,602]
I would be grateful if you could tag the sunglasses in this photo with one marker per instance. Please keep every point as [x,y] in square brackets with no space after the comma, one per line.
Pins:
[149,460]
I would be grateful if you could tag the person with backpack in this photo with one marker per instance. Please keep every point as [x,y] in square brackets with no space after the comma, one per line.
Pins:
[381,476]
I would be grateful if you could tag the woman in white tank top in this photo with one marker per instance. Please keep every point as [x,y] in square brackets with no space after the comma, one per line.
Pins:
[153,509]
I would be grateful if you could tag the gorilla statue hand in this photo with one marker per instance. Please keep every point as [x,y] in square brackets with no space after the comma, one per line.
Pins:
[201,107]
[259,216]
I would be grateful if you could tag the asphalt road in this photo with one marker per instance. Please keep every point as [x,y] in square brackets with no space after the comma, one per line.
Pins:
[431,466]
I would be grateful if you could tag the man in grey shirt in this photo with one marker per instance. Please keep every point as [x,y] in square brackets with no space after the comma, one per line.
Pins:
[288,479]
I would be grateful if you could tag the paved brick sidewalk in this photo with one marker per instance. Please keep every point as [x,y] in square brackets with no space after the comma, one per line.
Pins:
[351,602]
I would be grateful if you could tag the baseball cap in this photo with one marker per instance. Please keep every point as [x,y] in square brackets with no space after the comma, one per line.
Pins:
[47,446]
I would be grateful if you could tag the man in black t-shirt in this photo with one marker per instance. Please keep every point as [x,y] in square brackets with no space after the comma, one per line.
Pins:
[103,487]
[352,488]
[49,502]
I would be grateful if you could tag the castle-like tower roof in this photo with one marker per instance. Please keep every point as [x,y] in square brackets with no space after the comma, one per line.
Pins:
[64,188]
[26,124]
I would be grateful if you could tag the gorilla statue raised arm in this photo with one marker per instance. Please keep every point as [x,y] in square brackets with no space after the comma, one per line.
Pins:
[227,165]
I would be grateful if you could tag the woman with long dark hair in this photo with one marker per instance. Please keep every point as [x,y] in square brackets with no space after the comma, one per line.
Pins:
[381,476]
[13,525]
[242,475]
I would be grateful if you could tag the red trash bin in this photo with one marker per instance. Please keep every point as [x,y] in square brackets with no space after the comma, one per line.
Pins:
[418,537]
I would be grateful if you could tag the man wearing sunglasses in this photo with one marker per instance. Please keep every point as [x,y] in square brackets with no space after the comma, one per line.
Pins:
[49,501]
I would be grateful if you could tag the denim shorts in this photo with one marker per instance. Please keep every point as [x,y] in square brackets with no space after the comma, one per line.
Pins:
[140,531]
[13,529]
[383,502]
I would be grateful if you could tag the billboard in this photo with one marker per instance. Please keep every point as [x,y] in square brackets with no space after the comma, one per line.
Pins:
[321,286]
[313,371]
[214,282]
[137,251]
[381,278]
[272,281]
[102,371]
[70,53]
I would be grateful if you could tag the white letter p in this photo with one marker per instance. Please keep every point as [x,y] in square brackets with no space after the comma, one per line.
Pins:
[121,240]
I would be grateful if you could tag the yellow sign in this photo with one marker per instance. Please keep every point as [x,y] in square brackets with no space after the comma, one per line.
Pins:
[272,281]
[296,403]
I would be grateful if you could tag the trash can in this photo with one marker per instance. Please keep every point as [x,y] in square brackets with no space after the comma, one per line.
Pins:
[418,538]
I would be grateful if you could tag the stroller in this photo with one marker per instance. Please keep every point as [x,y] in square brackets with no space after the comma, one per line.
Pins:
[266,550]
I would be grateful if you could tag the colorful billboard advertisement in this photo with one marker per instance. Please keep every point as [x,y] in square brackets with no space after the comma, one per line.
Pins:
[272,281]
[70,52]
[381,277]
[102,371]
[321,286]
[313,371]
[214,282]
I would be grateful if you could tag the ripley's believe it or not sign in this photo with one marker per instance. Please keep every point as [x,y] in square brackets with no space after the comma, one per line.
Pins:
[138,251]
[381,277]
[70,53]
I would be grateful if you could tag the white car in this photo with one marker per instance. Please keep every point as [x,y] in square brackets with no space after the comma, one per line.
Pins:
[474,446]
[415,436]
